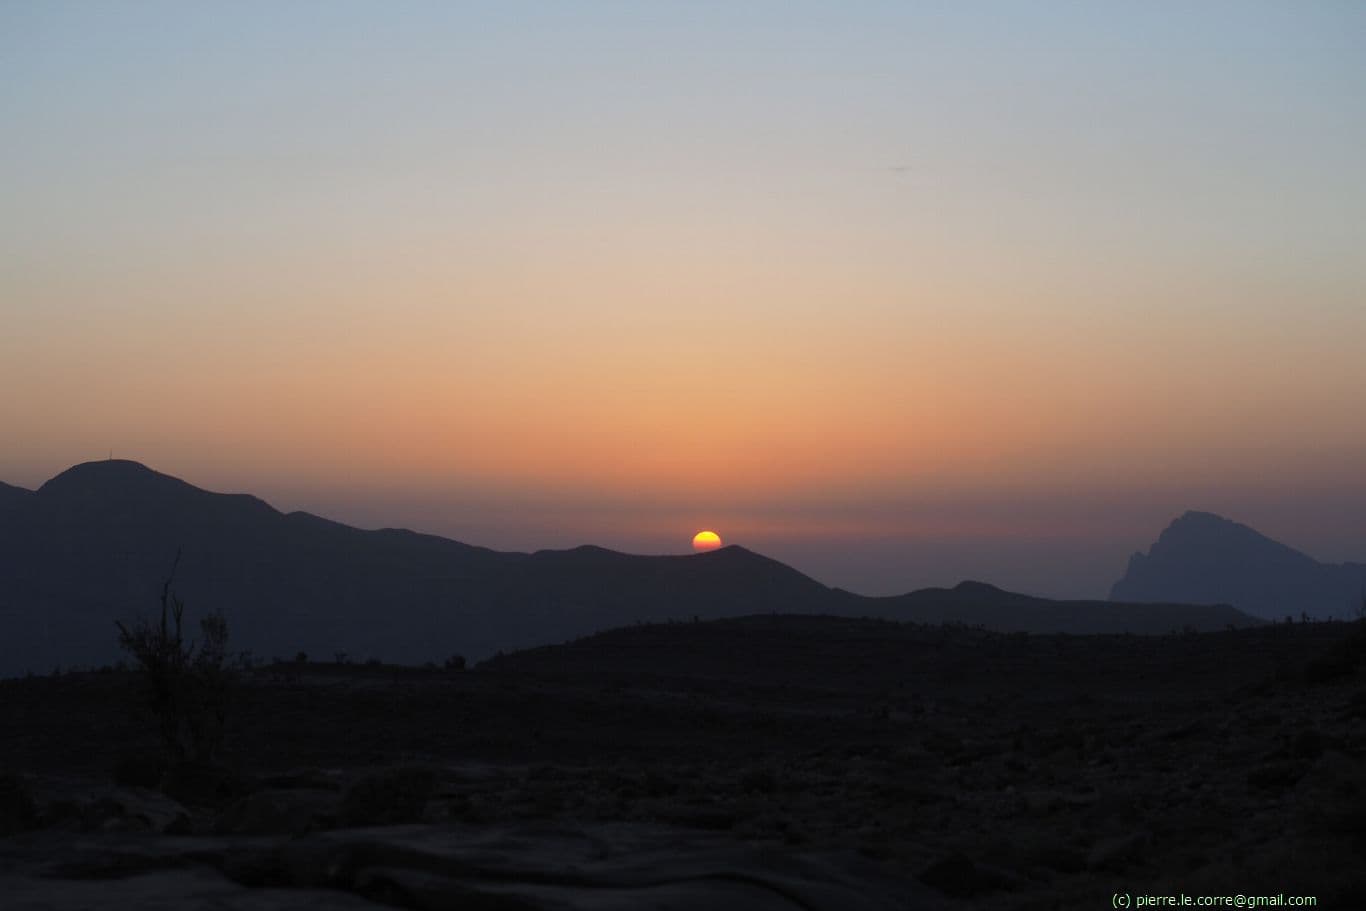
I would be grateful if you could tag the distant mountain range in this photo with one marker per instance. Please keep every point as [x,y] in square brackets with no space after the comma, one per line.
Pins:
[1202,558]
[95,543]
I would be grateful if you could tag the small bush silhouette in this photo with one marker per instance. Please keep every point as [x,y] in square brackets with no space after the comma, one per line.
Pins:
[187,683]
[1344,658]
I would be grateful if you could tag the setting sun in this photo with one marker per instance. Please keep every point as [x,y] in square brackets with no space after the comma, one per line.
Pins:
[706,540]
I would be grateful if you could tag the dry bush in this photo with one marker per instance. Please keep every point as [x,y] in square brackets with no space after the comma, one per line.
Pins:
[187,683]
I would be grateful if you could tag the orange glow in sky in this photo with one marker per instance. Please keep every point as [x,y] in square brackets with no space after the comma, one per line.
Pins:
[466,267]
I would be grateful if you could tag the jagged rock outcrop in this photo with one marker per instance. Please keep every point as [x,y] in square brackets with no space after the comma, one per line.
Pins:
[1202,558]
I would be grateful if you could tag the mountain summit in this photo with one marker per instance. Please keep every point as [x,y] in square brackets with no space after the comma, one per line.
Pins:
[126,487]
[1203,558]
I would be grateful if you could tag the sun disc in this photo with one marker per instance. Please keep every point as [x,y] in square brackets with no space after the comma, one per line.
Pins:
[706,540]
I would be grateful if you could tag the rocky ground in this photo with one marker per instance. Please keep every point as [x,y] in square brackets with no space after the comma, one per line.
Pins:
[768,762]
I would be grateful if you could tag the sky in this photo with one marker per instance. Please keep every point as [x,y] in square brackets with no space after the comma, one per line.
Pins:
[899,293]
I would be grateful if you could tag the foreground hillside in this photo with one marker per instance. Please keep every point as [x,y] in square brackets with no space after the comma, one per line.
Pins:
[763,762]
[94,544]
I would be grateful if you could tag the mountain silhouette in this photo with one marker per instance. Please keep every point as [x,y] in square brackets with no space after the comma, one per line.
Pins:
[1203,558]
[95,543]
[11,495]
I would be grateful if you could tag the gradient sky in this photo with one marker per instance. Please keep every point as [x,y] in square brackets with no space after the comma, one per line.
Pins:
[897,292]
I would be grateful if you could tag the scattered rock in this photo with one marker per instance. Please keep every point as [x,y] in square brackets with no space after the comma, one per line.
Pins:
[1308,744]
[1332,795]
[944,744]
[713,820]
[391,797]
[1184,731]
[1118,853]
[139,770]
[1056,856]
[203,785]
[279,812]
[759,780]
[136,810]
[18,810]
[1276,776]
[1047,803]
[957,875]
[307,779]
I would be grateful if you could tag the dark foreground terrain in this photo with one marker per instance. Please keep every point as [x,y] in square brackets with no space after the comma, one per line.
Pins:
[760,763]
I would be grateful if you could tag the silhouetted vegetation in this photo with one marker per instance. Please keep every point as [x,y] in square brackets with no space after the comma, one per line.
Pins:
[187,683]
[1342,659]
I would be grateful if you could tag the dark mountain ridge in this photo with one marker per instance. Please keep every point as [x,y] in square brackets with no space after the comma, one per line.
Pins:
[11,495]
[1203,558]
[95,543]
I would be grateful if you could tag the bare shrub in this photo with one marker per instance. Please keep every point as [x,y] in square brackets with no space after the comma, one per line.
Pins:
[187,683]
